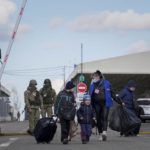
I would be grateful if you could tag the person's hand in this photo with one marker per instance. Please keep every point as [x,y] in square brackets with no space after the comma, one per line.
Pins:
[95,120]
[123,104]
[41,108]
[81,118]
[75,105]
[58,120]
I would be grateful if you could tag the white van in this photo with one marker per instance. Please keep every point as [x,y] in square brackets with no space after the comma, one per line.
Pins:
[144,104]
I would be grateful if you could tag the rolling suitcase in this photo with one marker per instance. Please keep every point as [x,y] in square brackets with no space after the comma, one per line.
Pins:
[45,129]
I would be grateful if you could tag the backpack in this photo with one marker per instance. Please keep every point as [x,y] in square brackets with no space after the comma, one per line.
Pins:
[98,97]
[66,107]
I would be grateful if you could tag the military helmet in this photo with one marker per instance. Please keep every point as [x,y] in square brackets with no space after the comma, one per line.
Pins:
[47,81]
[33,82]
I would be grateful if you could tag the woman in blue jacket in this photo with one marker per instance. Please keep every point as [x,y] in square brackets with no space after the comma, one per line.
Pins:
[101,98]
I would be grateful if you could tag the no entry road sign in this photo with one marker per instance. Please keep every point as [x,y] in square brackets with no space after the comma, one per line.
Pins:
[82,87]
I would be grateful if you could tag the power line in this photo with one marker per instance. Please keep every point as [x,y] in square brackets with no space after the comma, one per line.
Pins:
[33,72]
[50,71]
[36,69]
[39,69]
[27,75]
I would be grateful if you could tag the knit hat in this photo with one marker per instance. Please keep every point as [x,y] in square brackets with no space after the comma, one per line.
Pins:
[131,83]
[69,85]
[86,97]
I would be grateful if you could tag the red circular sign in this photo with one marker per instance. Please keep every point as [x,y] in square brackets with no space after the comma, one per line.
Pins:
[82,87]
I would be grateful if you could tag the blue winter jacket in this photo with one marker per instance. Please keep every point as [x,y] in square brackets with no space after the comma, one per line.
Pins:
[108,95]
[127,97]
[87,113]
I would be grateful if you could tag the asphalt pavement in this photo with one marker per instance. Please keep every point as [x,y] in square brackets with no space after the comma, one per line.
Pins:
[20,128]
[114,142]
[15,138]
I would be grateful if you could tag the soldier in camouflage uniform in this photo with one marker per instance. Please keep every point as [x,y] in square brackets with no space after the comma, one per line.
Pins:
[33,102]
[48,96]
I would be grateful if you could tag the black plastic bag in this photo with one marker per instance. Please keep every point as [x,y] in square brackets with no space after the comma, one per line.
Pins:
[129,120]
[124,120]
[115,121]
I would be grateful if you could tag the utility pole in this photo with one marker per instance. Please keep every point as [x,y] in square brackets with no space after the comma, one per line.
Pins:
[81,58]
[81,78]
[64,73]
[0,55]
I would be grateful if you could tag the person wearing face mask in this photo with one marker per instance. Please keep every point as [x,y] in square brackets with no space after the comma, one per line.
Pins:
[127,96]
[101,99]
[33,103]
[49,96]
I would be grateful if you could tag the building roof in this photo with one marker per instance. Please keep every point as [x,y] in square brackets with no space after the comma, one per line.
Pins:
[137,63]
[4,90]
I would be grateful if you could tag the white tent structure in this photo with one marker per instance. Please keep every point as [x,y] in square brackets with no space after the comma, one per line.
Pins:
[138,63]
[120,69]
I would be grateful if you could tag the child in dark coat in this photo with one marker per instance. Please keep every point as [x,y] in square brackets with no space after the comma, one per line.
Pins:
[86,115]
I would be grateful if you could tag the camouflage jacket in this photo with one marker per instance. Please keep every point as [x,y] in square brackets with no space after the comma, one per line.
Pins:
[48,96]
[32,99]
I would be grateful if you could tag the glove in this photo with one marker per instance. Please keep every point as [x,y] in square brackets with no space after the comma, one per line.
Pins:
[94,119]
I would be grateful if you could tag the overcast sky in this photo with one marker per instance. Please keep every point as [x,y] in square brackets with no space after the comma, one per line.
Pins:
[51,32]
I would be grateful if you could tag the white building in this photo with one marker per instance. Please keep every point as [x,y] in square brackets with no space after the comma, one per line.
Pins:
[4,104]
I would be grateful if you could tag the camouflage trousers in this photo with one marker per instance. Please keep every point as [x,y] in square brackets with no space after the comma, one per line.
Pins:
[47,109]
[34,116]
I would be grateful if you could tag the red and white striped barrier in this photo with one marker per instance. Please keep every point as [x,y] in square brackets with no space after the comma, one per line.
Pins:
[12,38]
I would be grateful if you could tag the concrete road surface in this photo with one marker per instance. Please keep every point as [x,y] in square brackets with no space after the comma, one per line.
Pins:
[115,142]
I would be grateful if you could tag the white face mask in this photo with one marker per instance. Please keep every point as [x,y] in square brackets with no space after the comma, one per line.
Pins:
[94,80]
[132,89]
